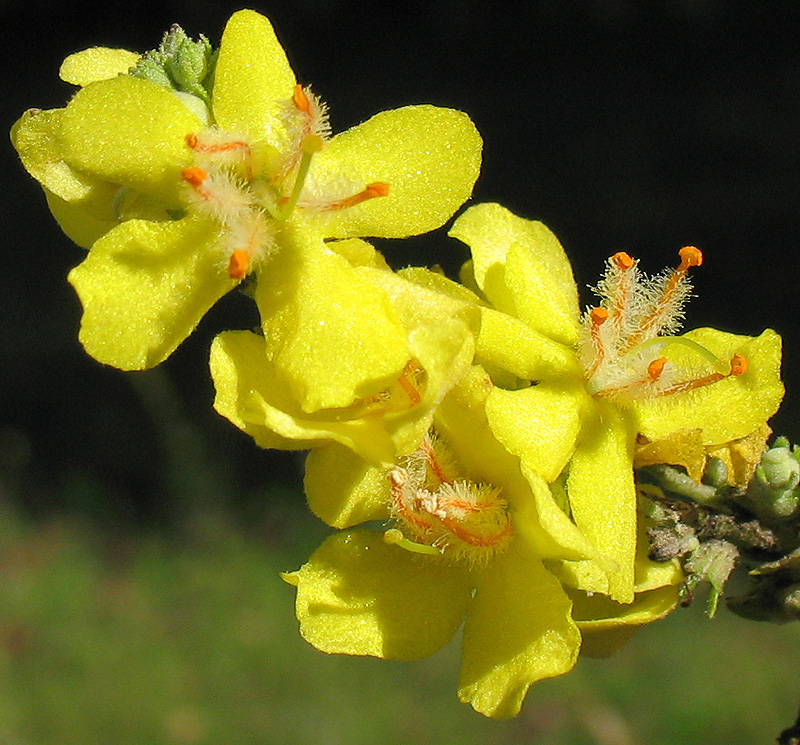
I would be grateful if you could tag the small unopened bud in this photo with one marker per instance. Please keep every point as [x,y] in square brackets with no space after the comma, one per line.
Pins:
[152,70]
[188,62]
[716,473]
[775,486]
[179,63]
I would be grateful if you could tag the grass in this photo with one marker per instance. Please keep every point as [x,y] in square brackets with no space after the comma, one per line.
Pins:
[191,640]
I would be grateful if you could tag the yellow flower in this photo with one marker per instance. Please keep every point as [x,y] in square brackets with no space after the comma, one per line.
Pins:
[474,538]
[180,200]
[573,392]
[432,339]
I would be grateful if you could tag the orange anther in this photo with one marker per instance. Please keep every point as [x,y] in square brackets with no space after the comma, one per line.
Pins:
[300,99]
[410,390]
[194,176]
[409,380]
[191,140]
[690,256]
[656,367]
[377,189]
[599,316]
[738,364]
[622,260]
[239,264]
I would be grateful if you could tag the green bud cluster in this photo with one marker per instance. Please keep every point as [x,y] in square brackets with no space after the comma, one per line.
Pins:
[711,527]
[180,63]
[775,489]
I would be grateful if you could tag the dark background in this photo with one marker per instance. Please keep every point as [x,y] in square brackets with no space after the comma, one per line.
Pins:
[623,125]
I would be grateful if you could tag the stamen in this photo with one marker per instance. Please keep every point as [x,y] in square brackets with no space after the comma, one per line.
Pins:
[473,539]
[739,364]
[738,367]
[194,176]
[597,316]
[690,256]
[239,264]
[400,487]
[374,190]
[667,306]
[408,381]
[622,260]
[656,367]
[427,449]
[473,513]
[193,141]
[217,144]
[300,99]
[463,519]
[622,291]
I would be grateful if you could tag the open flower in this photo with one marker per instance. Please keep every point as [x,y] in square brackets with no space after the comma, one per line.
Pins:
[472,539]
[184,190]
[431,339]
[575,393]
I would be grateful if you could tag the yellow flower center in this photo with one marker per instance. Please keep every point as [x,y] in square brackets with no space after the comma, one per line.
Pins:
[251,194]
[625,345]
[442,514]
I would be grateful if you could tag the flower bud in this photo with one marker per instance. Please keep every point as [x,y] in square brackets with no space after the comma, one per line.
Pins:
[187,64]
[179,63]
[775,486]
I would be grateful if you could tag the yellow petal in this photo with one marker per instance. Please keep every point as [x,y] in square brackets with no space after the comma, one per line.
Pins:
[144,286]
[329,330]
[521,267]
[544,292]
[741,457]
[359,253]
[546,526]
[436,280]
[506,343]
[256,399]
[441,342]
[605,625]
[539,424]
[461,421]
[358,595]
[518,631]
[35,136]
[683,447]
[429,156]
[97,63]
[253,81]
[602,495]
[78,223]
[726,410]
[343,489]
[131,132]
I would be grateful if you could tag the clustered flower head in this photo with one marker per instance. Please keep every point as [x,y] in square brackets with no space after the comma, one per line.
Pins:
[474,444]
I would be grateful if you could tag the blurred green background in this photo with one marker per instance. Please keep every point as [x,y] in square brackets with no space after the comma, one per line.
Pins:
[141,535]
